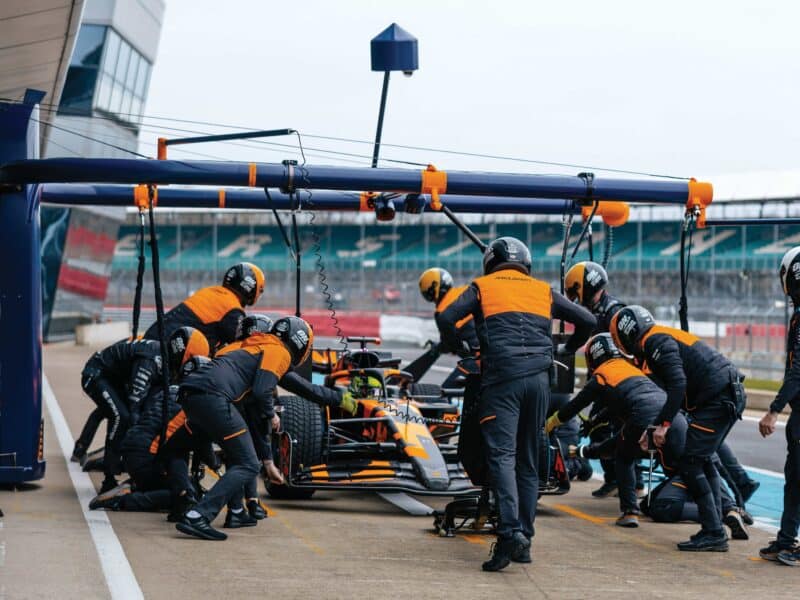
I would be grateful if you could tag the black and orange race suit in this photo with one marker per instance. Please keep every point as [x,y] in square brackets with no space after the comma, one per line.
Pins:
[634,400]
[705,384]
[465,342]
[790,394]
[604,310]
[159,477]
[215,311]
[513,317]
[250,375]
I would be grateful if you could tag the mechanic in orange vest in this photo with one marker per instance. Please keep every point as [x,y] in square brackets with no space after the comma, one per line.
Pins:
[436,285]
[513,315]
[708,387]
[249,374]
[216,311]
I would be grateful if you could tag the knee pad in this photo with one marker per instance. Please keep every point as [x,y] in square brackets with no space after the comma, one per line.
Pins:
[666,511]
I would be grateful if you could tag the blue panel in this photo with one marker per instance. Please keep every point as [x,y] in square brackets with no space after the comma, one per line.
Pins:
[394,49]
[20,308]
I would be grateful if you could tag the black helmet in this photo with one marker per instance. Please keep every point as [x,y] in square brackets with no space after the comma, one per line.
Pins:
[296,335]
[628,326]
[435,283]
[583,281]
[246,281]
[195,363]
[790,274]
[184,344]
[255,324]
[507,253]
[599,349]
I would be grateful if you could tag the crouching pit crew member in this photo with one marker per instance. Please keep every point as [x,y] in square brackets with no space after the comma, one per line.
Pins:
[159,473]
[785,548]
[633,399]
[513,315]
[119,378]
[216,311]
[709,388]
[249,374]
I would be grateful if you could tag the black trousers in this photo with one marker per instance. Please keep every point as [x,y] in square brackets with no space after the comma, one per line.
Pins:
[628,453]
[708,427]
[110,400]
[512,418]
[157,482]
[600,434]
[733,473]
[90,428]
[790,520]
[215,416]
[671,502]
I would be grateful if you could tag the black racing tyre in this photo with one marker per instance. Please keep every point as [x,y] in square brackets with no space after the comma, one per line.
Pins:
[305,422]
[428,391]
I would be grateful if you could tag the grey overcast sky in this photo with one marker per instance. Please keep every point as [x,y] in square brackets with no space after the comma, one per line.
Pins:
[680,87]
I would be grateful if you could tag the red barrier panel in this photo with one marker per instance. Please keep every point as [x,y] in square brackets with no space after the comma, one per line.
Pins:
[82,282]
[756,330]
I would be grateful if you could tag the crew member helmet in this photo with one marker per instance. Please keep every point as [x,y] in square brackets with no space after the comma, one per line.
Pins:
[184,344]
[297,336]
[246,281]
[583,281]
[628,327]
[434,284]
[507,253]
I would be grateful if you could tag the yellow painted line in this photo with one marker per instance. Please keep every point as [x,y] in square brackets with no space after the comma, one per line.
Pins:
[580,514]
[756,559]
[474,539]
[299,535]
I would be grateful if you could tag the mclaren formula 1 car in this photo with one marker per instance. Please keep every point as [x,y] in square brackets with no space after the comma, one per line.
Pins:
[398,440]
[405,436]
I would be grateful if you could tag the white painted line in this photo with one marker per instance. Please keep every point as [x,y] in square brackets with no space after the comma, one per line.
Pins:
[756,420]
[764,472]
[117,570]
[442,369]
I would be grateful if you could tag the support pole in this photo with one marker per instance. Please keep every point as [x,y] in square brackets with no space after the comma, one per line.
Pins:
[377,148]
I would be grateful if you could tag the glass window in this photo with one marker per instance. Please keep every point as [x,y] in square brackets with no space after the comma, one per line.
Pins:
[104,92]
[136,110]
[141,78]
[112,52]
[122,63]
[88,46]
[79,85]
[133,69]
[116,98]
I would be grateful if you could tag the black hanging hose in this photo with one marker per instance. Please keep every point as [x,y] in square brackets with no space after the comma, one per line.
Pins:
[587,227]
[686,257]
[165,375]
[567,223]
[137,297]
[608,244]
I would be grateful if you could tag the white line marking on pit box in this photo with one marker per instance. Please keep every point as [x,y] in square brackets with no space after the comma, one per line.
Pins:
[120,579]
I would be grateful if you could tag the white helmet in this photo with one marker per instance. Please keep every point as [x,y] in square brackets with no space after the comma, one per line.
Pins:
[790,273]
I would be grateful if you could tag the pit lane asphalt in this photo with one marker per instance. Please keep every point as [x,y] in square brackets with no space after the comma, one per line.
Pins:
[340,545]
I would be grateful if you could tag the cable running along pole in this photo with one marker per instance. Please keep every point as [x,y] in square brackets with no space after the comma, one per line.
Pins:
[137,297]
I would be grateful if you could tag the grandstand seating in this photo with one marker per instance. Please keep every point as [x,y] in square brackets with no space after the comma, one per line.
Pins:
[354,246]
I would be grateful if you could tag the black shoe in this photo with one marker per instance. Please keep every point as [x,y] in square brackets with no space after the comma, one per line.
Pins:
[503,549]
[705,542]
[241,519]
[111,500]
[199,528]
[748,490]
[78,452]
[630,519]
[735,523]
[605,490]
[772,551]
[256,510]
[108,484]
[790,558]
[746,516]
[586,471]
[181,506]
[522,553]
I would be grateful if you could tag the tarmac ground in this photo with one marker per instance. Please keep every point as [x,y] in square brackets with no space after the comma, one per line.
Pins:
[339,545]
